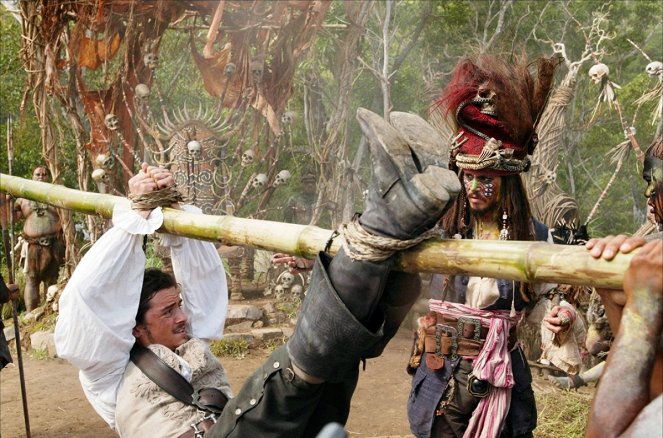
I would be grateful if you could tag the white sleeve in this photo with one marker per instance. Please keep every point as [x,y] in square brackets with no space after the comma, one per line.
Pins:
[198,269]
[98,307]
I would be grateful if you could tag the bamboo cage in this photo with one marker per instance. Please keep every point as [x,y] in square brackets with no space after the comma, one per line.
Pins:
[534,262]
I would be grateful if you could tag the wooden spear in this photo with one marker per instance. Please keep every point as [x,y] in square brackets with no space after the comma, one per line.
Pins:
[534,262]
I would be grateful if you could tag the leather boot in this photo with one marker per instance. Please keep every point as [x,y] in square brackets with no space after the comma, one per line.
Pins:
[329,339]
[411,186]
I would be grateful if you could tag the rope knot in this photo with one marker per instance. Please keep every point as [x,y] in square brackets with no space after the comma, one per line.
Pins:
[359,244]
[158,198]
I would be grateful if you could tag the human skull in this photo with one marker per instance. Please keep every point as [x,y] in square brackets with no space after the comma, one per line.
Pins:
[142,92]
[282,177]
[247,157]
[99,175]
[105,161]
[259,181]
[288,117]
[297,290]
[230,69]
[194,148]
[287,279]
[257,68]
[112,122]
[279,291]
[598,71]
[151,60]
[51,292]
[655,68]
[486,98]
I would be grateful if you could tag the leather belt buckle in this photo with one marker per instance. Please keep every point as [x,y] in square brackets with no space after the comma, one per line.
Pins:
[476,334]
[449,331]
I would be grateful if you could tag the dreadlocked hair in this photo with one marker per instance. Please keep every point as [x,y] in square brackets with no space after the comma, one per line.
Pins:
[458,219]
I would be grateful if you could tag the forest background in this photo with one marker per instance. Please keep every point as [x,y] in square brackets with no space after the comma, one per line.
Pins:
[396,56]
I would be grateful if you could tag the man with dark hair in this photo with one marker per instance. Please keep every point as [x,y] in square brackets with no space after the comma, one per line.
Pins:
[353,307]
[43,244]
[470,375]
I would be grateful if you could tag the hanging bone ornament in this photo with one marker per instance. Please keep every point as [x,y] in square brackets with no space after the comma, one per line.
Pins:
[151,60]
[297,290]
[194,148]
[282,177]
[259,181]
[112,122]
[655,69]
[598,71]
[142,92]
[247,157]
[105,161]
[287,279]
[288,117]
[230,68]
[99,175]
[599,74]
[257,68]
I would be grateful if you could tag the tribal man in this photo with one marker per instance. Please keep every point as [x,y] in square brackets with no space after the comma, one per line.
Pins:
[470,374]
[633,377]
[43,249]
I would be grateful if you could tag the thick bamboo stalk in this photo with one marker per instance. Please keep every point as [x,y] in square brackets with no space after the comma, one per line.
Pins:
[521,261]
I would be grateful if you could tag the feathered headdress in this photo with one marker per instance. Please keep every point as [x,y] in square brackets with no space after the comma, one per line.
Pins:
[496,106]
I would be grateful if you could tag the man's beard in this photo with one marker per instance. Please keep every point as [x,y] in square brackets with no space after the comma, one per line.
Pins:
[483,212]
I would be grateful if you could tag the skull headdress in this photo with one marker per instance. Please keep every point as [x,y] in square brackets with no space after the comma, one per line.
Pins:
[495,106]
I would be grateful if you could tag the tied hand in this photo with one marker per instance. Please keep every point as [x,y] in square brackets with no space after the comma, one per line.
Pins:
[296,265]
[149,179]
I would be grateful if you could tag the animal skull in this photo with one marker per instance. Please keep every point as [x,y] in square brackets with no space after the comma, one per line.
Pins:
[247,157]
[288,117]
[282,177]
[598,71]
[142,92]
[655,68]
[230,69]
[112,122]
[279,291]
[105,161]
[151,60]
[287,279]
[257,69]
[194,148]
[259,181]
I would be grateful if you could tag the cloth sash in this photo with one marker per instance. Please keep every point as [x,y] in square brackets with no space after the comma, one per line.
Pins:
[493,364]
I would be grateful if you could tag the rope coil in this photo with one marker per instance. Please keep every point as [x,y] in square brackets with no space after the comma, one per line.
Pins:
[359,244]
[158,198]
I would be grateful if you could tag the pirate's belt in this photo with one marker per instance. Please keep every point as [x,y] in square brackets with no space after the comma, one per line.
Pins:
[453,337]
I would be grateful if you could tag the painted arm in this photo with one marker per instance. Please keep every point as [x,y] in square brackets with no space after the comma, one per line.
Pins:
[624,390]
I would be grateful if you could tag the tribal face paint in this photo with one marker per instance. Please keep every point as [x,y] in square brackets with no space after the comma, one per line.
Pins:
[481,191]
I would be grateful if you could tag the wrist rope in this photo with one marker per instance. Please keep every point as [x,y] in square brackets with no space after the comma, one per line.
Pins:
[359,244]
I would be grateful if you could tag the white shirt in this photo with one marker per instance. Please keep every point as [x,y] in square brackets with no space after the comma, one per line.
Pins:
[99,304]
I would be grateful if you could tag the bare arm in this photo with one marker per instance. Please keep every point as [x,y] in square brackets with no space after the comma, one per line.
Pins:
[630,364]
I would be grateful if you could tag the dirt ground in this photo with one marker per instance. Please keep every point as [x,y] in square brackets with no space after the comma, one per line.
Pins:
[59,408]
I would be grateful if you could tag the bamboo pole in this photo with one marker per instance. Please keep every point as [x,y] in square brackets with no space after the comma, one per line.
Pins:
[534,262]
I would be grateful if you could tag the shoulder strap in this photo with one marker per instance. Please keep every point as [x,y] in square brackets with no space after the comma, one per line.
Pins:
[160,373]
